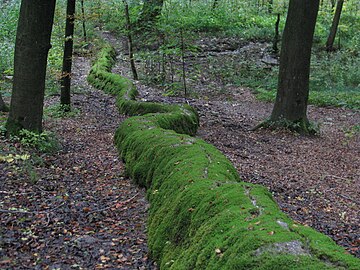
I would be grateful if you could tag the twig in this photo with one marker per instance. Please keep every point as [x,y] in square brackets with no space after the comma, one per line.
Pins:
[348,198]
[30,212]
[24,193]
[14,193]
[337,177]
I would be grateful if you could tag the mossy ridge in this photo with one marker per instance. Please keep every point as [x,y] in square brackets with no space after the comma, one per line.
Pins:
[202,216]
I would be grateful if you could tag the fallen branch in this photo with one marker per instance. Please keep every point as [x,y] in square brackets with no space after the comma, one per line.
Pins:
[30,212]
[337,177]
[348,198]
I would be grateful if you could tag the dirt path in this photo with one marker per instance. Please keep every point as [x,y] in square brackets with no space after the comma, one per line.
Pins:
[316,180]
[85,214]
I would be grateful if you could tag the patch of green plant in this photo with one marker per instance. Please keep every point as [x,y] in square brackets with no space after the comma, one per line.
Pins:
[265,95]
[43,142]
[30,172]
[2,129]
[52,85]
[9,12]
[300,127]
[61,111]
[350,133]
[350,99]
[251,75]
[337,71]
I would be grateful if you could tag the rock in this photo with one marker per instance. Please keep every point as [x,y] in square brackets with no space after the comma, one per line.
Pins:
[292,247]
[85,241]
[283,224]
[9,78]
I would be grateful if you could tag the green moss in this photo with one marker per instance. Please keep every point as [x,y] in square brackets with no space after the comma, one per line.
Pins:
[302,126]
[202,215]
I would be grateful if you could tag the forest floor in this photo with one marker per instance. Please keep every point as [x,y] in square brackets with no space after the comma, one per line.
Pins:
[75,209]
[314,179]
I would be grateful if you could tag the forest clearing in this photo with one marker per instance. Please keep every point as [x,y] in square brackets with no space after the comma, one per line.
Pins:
[68,200]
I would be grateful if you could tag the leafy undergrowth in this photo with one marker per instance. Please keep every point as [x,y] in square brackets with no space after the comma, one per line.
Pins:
[73,208]
[201,214]
[215,62]
[349,99]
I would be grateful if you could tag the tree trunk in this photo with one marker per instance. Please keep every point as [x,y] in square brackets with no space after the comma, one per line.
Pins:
[270,6]
[31,50]
[332,4]
[293,86]
[130,43]
[334,26]
[83,20]
[3,107]
[65,98]
[150,12]
[275,48]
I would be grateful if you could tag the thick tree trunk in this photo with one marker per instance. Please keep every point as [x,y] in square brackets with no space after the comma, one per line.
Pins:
[334,26]
[65,98]
[31,50]
[293,86]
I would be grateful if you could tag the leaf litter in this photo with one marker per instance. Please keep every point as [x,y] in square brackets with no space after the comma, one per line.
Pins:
[79,211]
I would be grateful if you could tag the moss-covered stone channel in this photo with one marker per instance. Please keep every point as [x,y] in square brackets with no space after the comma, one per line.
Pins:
[202,216]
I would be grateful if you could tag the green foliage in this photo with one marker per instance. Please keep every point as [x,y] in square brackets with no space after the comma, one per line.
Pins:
[9,12]
[202,216]
[61,111]
[29,170]
[300,127]
[230,18]
[43,142]
[350,99]
[335,72]
[2,129]
[334,79]
[350,133]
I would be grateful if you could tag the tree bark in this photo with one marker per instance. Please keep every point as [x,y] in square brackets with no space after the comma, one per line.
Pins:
[83,20]
[65,98]
[293,85]
[31,50]
[334,26]
[275,48]
[130,43]
[270,6]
